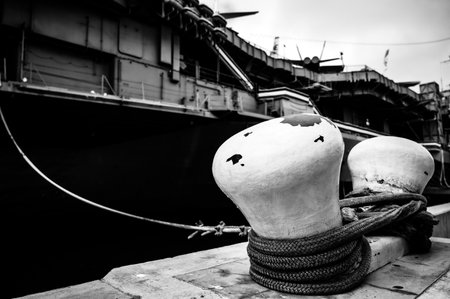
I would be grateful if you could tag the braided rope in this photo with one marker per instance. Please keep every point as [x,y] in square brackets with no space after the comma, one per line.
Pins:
[330,262]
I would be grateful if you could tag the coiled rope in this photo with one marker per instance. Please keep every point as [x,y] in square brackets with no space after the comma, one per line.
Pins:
[330,262]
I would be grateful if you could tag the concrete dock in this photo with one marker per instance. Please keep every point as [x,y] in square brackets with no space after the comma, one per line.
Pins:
[223,273]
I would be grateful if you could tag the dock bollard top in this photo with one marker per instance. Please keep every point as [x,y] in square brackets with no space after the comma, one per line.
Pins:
[390,164]
[283,174]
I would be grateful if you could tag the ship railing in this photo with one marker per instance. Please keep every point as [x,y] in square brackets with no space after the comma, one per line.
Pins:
[155,92]
[32,70]
[214,99]
[139,90]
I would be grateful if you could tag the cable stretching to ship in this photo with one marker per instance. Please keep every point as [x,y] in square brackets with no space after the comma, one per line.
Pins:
[331,262]
[219,229]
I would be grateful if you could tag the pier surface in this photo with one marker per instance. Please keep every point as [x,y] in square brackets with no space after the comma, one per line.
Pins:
[223,273]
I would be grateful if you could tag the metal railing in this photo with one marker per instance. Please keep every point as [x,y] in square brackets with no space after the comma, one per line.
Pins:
[200,95]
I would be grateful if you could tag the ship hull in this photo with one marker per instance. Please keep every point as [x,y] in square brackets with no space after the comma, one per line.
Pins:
[149,163]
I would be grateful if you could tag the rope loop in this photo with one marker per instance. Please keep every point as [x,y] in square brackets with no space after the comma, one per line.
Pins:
[330,262]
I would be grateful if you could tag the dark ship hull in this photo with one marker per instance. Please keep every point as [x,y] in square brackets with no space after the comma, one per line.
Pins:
[152,164]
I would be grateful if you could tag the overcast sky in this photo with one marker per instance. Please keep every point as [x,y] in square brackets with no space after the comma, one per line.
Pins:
[362,29]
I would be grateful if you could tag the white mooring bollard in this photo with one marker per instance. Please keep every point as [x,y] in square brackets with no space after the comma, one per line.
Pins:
[390,164]
[283,174]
